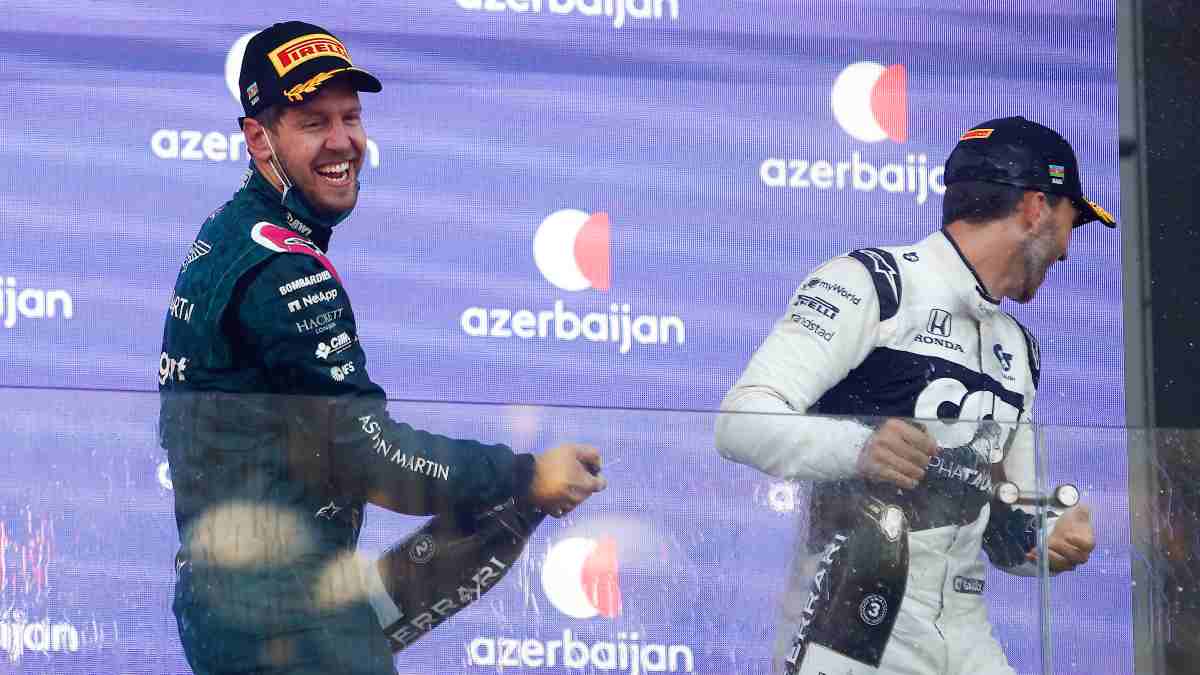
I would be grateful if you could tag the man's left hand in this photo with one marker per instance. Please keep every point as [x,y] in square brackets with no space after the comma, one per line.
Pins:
[1072,541]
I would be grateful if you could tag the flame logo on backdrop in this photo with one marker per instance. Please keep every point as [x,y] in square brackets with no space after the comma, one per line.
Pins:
[571,249]
[580,577]
[870,101]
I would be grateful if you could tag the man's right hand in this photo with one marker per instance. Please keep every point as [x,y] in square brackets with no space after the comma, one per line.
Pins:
[897,453]
[564,476]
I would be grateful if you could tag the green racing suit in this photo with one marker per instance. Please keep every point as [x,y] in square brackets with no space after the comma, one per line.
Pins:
[277,438]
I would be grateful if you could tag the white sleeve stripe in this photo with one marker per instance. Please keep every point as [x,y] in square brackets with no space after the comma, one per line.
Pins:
[758,429]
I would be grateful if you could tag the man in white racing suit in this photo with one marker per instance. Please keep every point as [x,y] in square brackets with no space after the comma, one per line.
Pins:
[882,335]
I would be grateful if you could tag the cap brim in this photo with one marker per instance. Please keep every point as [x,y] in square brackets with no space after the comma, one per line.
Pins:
[1090,211]
[364,81]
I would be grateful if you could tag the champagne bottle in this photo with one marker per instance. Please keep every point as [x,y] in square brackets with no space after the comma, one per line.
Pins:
[446,565]
[855,595]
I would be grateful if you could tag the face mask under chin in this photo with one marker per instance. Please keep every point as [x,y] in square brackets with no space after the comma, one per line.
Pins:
[294,199]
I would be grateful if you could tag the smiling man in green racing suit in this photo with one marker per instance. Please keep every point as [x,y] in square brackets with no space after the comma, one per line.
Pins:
[276,436]
[883,335]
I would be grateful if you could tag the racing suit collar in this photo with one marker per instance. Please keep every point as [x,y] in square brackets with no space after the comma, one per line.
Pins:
[962,275]
[297,214]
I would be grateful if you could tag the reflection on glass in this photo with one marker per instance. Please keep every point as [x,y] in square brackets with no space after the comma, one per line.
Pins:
[687,563]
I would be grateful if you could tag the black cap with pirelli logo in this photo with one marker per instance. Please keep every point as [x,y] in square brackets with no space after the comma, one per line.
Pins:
[288,62]
[1018,152]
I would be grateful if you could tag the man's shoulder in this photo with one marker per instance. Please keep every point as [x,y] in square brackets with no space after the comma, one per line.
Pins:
[222,223]
[873,272]
[906,276]
[225,250]
[890,262]
[881,264]
[243,233]
[231,223]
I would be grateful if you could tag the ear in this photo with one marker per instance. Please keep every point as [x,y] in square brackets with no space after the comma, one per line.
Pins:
[256,141]
[1030,209]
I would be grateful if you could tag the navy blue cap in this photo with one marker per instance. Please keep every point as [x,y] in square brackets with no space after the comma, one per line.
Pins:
[1015,151]
[288,62]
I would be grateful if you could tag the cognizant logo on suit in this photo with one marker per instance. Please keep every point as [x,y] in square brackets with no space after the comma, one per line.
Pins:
[572,250]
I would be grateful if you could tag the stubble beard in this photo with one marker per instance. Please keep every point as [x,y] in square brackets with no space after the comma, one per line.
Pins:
[1037,255]
[310,190]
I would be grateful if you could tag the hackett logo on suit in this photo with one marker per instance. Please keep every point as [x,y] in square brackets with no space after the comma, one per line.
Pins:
[319,323]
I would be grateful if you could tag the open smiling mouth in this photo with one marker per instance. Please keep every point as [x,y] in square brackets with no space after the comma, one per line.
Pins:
[337,174]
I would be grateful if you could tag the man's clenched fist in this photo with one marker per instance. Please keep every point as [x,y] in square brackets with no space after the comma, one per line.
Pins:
[897,453]
[564,476]
[1072,541]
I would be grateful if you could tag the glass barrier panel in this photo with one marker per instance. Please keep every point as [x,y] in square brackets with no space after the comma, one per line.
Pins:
[1162,541]
[1089,612]
[695,559]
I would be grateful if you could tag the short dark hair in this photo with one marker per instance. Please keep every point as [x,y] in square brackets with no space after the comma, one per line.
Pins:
[270,116]
[977,201]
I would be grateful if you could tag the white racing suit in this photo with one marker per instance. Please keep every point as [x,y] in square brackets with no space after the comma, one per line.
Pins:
[903,332]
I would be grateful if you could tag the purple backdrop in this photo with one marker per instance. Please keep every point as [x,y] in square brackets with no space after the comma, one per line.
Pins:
[705,136]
